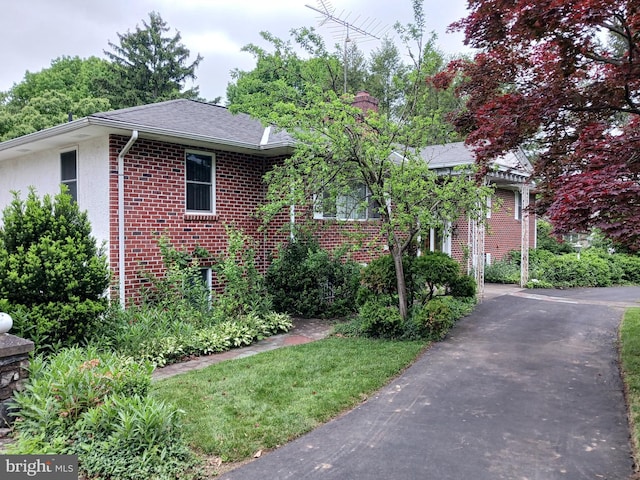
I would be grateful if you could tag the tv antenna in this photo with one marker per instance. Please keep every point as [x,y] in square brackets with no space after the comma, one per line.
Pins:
[368,29]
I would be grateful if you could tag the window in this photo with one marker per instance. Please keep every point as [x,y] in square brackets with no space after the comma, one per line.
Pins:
[440,239]
[354,205]
[518,206]
[200,171]
[198,291]
[69,172]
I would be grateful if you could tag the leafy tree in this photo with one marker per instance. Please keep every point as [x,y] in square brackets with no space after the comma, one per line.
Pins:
[52,275]
[339,146]
[47,98]
[149,66]
[549,78]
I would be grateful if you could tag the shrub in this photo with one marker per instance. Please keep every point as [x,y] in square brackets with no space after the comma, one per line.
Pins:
[425,275]
[464,286]
[433,320]
[306,280]
[547,242]
[432,270]
[95,405]
[52,274]
[244,288]
[502,271]
[379,319]
[630,267]
[570,271]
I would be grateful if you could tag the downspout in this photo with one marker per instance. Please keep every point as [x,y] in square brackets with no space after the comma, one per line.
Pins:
[121,244]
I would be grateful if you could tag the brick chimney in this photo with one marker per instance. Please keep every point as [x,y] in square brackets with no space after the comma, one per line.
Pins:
[365,102]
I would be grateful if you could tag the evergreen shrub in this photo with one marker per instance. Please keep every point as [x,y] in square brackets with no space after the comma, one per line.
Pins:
[53,277]
[306,280]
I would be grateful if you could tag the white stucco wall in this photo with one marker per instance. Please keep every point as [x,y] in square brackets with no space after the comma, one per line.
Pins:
[42,171]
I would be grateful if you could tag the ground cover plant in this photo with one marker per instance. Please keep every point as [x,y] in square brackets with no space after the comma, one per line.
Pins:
[630,362]
[96,405]
[237,408]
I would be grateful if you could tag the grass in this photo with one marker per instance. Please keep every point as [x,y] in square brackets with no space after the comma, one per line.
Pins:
[237,408]
[630,360]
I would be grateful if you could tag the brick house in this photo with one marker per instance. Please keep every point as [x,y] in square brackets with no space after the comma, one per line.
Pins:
[185,170]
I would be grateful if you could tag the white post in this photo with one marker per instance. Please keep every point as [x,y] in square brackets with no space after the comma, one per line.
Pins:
[524,242]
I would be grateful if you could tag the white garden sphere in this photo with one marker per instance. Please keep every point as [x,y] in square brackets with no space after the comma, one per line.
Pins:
[6,322]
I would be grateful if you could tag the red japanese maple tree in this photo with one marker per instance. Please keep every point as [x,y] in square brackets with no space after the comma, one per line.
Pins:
[563,78]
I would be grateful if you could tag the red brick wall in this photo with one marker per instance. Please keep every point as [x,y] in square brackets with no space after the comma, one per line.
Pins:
[155,205]
[503,233]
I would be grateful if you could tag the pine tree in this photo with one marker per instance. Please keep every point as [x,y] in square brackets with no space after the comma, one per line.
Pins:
[149,66]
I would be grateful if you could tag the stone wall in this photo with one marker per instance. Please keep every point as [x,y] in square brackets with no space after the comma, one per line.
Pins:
[14,369]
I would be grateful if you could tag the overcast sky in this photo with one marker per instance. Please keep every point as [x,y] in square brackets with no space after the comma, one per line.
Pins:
[34,32]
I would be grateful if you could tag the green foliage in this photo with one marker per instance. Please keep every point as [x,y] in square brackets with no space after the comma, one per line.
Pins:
[180,289]
[337,145]
[630,365]
[162,337]
[629,266]
[570,271]
[65,386]
[134,438]
[594,267]
[502,271]
[546,241]
[307,281]
[434,319]
[148,66]
[52,275]
[425,276]
[47,98]
[464,286]
[95,405]
[244,288]
[433,270]
[378,319]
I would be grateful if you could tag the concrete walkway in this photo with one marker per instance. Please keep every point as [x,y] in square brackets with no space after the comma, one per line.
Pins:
[527,387]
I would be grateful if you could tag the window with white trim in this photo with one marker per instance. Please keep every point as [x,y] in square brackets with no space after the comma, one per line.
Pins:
[200,181]
[517,210]
[69,172]
[440,239]
[356,204]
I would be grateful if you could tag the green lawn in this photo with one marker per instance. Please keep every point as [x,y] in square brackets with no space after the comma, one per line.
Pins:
[236,408]
[630,359]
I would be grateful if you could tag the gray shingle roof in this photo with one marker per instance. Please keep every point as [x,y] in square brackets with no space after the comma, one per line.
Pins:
[190,117]
[456,154]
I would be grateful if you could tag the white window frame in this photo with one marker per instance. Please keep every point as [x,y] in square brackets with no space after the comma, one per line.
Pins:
[212,183]
[70,181]
[346,207]
[517,206]
[446,239]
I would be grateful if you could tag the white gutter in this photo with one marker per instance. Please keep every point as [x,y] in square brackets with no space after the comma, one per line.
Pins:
[121,244]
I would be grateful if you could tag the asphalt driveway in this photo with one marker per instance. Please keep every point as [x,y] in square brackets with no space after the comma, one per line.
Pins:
[527,387]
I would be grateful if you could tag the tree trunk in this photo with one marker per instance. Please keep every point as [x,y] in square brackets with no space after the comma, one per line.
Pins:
[396,252]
